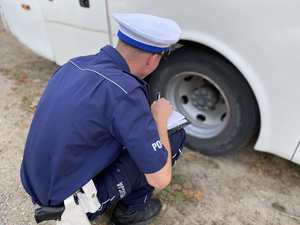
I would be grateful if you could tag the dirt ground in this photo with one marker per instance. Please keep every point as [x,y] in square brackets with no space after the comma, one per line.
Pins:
[243,189]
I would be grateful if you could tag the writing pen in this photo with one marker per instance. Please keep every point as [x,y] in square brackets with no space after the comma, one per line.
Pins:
[157,95]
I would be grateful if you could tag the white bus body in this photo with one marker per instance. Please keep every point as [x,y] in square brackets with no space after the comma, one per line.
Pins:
[260,38]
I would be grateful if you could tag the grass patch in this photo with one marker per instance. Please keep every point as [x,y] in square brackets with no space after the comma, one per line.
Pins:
[180,191]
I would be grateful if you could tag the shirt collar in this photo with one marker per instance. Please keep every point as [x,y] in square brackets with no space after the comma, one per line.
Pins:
[116,57]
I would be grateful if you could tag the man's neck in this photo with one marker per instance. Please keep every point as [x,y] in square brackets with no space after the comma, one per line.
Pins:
[131,64]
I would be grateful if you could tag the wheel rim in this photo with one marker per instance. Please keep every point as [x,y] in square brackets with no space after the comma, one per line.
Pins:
[202,101]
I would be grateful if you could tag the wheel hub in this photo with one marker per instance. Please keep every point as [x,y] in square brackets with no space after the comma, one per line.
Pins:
[205,97]
[201,100]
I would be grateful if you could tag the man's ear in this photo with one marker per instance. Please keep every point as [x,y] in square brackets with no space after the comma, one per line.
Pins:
[153,59]
[150,59]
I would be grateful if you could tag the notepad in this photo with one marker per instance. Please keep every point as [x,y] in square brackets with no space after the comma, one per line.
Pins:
[177,121]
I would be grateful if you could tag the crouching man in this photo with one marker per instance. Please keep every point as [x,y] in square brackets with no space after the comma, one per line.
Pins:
[94,122]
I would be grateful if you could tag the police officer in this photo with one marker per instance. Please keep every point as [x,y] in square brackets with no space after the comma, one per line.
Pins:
[94,121]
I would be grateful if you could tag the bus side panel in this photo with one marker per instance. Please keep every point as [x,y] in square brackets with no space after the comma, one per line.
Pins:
[72,42]
[28,25]
[75,30]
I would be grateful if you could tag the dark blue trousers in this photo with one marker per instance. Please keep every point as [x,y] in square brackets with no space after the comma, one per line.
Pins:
[123,182]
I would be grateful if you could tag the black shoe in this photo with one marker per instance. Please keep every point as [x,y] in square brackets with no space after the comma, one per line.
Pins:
[125,216]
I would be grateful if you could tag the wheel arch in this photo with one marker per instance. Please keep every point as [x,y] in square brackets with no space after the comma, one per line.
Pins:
[208,43]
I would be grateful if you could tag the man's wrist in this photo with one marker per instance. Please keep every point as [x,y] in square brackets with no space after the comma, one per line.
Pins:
[162,125]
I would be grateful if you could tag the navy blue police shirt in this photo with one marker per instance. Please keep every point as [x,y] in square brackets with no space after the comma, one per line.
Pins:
[91,110]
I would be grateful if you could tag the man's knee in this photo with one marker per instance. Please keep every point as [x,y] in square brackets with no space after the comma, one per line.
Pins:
[177,140]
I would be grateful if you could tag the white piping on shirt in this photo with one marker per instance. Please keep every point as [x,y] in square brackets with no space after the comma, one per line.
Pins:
[85,69]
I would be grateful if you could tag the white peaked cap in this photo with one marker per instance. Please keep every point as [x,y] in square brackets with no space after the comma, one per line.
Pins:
[147,32]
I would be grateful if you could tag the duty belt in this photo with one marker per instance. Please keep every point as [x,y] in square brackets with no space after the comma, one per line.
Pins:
[74,209]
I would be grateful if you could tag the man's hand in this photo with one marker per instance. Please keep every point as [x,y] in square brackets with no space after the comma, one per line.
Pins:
[161,110]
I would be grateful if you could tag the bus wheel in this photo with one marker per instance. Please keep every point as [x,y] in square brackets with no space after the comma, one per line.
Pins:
[213,95]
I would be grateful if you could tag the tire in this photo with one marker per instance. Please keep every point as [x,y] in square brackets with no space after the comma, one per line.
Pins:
[213,95]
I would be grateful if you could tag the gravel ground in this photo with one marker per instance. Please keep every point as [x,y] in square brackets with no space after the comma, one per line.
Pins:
[247,188]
